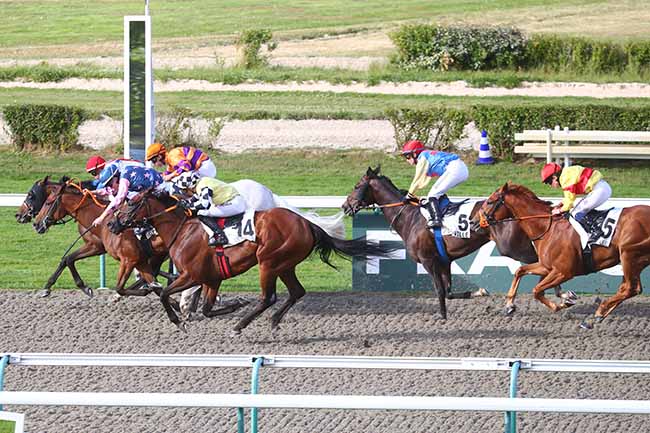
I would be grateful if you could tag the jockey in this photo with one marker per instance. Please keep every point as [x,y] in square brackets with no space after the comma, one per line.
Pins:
[577,180]
[118,183]
[96,164]
[429,163]
[181,159]
[212,198]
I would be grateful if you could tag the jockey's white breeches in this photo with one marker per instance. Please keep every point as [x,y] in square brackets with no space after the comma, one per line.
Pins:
[233,207]
[455,173]
[207,169]
[257,196]
[600,193]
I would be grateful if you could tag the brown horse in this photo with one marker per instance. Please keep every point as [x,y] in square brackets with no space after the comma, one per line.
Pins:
[69,199]
[560,250]
[283,240]
[374,188]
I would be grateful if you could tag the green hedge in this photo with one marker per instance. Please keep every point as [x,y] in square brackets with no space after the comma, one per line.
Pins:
[461,48]
[481,48]
[503,122]
[47,127]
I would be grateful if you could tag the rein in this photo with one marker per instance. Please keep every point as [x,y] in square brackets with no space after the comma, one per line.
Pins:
[486,221]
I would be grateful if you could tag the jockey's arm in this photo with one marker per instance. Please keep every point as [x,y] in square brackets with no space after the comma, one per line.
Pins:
[122,191]
[568,200]
[420,179]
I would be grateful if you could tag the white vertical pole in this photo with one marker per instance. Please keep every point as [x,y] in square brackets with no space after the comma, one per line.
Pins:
[127,92]
[148,98]
[567,159]
[549,149]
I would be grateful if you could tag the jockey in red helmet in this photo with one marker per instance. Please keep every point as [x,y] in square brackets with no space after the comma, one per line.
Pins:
[430,163]
[95,165]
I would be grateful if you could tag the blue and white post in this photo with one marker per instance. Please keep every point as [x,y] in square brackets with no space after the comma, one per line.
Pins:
[484,155]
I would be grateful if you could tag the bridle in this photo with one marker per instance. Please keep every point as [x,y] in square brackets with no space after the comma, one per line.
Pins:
[359,195]
[487,219]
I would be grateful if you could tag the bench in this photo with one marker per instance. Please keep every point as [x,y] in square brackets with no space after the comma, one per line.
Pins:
[555,143]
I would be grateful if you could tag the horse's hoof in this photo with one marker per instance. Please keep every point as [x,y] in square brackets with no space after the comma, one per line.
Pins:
[568,302]
[571,295]
[182,326]
[44,293]
[235,332]
[586,325]
[510,310]
[87,291]
[598,319]
[116,298]
[480,293]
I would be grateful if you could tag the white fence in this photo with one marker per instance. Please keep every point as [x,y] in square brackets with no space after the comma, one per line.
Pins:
[365,402]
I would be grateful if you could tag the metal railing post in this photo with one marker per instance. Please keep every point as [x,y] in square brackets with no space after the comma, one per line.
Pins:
[102,271]
[511,416]
[257,363]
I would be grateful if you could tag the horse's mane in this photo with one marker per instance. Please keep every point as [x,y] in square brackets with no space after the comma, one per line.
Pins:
[527,193]
[385,179]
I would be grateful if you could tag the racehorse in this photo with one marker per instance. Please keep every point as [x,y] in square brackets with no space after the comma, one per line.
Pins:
[560,251]
[406,219]
[283,240]
[69,199]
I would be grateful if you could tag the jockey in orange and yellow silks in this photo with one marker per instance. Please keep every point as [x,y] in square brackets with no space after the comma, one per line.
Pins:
[180,160]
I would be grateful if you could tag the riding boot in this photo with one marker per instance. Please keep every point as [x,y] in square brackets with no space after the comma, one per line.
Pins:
[434,209]
[218,237]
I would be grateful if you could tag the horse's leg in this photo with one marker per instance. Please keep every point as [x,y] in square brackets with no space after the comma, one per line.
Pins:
[268,281]
[446,281]
[533,268]
[86,250]
[187,298]
[296,291]
[184,281]
[552,279]
[438,287]
[568,298]
[211,298]
[124,272]
[631,286]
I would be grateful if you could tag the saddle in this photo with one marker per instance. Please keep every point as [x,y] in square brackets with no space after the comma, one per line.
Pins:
[448,207]
[593,219]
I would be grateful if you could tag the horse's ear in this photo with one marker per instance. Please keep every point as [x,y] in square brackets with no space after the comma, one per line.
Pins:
[377,170]
[505,186]
[369,172]
[64,179]
[45,180]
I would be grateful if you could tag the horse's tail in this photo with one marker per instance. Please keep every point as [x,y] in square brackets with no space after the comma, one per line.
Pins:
[325,245]
[333,225]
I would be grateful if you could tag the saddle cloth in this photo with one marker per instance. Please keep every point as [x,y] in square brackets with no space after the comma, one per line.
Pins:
[456,217]
[606,219]
[238,228]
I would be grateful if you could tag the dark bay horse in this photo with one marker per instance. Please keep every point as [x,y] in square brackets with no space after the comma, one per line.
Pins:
[374,188]
[560,250]
[69,199]
[283,240]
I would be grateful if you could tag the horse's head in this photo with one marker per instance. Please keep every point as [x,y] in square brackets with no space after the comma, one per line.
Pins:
[509,200]
[361,196]
[139,210]
[34,201]
[51,210]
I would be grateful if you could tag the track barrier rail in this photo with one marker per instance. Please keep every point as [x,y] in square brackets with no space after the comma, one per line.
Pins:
[255,401]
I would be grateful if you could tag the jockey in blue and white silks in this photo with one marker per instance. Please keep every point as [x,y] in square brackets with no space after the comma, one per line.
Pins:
[120,183]
[430,163]
[96,165]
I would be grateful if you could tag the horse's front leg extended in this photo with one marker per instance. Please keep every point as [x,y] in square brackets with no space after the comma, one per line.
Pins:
[553,278]
[533,268]
[86,250]
[184,281]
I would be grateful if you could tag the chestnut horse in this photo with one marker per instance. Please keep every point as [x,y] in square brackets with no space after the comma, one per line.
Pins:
[69,199]
[283,240]
[560,251]
[406,219]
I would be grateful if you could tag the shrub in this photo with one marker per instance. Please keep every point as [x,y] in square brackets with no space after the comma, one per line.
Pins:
[48,127]
[463,48]
[249,42]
